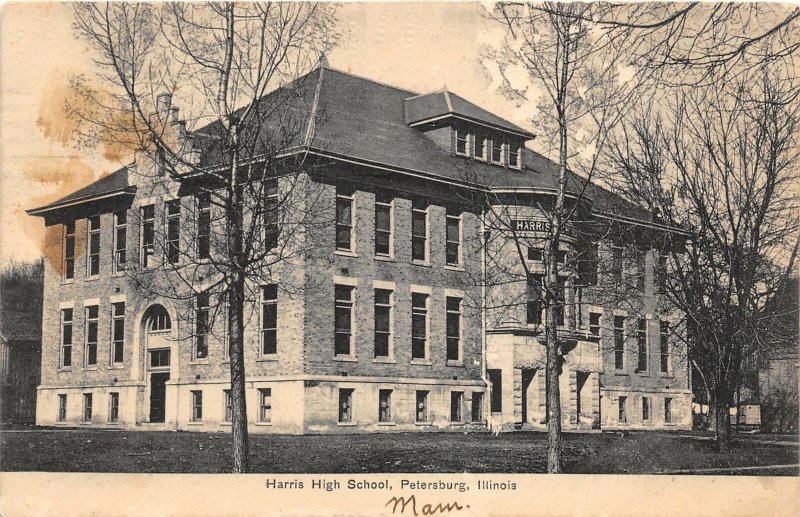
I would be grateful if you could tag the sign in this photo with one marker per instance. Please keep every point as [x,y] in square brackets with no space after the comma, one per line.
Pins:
[530,225]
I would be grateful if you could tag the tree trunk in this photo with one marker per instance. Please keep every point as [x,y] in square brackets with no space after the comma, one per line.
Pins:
[241,446]
[553,395]
[722,419]
[236,295]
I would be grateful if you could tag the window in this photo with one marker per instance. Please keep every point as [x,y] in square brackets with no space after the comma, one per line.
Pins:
[513,156]
[344,219]
[159,319]
[173,231]
[456,405]
[269,319]
[66,338]
[226,397]
[641,341]
[497,150]
[668,410]
[203,226]
[594,323]
[265,405]
[159,358]
[496,381]
[383,322]
[422,406]
[343,319]
[619,342]
[90,345]
[113,407]
[93,246]
[419,230]
[201,318]
[62,407]
[345,405]
[117,332]
[147,216]
[120,241]
[453,328]
[646,409]
[587,265]
[87,407]
[69,250]
[535,253]
[453,237]
[462,142]
[383,224]
[384,405]
[477,407]
[616,263]
[271,216]
[664,342]
[197,406]
[623,415]
[534,303]
[419,325]
[480,146]
[560,300]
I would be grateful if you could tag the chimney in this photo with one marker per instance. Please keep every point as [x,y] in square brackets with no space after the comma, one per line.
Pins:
[163,102]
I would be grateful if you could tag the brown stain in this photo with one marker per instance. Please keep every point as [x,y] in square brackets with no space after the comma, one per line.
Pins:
[54,120]
[58,177]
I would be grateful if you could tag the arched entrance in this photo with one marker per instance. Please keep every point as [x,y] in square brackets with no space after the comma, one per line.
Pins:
[157,335]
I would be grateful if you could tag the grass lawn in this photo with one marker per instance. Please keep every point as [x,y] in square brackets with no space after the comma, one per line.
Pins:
[522,452]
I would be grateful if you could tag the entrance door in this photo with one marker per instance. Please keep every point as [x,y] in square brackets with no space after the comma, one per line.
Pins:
[527,379]
[158,396]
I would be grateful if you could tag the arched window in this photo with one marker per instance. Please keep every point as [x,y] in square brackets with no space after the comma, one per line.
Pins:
[157,319]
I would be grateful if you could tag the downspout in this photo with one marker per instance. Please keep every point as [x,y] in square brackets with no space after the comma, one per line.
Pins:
[484,376]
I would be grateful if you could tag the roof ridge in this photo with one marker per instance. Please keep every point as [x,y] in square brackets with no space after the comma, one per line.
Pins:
[381,83]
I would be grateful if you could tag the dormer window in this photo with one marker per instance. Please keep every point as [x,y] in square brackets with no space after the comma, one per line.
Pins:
[462,142]
[497,151]
[513,156]
[480,146]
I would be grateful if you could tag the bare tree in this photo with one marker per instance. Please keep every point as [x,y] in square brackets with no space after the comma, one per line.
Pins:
[580,72]
[240,180]
[721,162]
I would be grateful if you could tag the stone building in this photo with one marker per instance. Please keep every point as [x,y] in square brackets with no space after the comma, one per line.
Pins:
[379,320]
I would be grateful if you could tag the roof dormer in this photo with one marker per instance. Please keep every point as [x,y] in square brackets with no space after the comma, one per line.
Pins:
[465,129]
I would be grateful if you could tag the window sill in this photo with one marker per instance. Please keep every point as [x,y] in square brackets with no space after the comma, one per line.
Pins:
[113,423]
[665,375]
[643,373]
[423,263]
[345,253]
[119,366]
[85,423]
[622,373]
[263,359]
[67,281]
[421,362]
[385,258]
[387,424]
[457,424]
[346,424]
[194,423]
[345,358]
[200,362]
[455,364]
[424,424]
[384,360]
[118,274]
[263,424]
[225,424]
[454,267]
[65,369]
[90,368]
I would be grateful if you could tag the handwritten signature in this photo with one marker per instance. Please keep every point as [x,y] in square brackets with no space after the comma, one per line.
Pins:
[427,509]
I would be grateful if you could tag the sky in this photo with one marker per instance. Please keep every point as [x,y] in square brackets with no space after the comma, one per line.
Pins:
[417,46]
